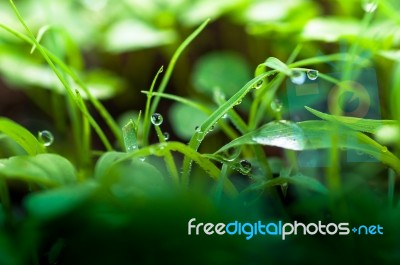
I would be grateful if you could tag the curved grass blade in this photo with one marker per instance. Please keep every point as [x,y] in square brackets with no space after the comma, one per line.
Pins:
[21,136]
[357,124]
[215,116]
[161,150]
[168,73]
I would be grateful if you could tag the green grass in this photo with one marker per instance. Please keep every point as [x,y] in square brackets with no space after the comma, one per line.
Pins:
[116,187]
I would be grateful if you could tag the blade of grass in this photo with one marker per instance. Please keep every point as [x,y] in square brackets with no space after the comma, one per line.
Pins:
[357,124]
[225,127]
[168,73]
[52,58]
[148,103]
[168,158]
[196,139]
[203,162]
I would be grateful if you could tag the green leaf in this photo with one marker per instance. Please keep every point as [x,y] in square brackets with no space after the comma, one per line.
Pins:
[132,177]
[45,169]
[21,136]
[330,29]
[57,202]
[225,71]
[184,120]
[101,84]
[357,124]
[130,34]
[310,135]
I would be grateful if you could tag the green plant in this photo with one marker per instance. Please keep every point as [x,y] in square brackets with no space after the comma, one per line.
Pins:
[86,202]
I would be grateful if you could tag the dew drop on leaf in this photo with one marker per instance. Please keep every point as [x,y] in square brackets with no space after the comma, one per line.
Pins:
[46,138]
[157,119]
[166,136]
[298,77]
[276,105]
[259,84]
[245,166]
[312,74]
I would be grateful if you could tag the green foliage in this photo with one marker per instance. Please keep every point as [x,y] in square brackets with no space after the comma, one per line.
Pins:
[108,190]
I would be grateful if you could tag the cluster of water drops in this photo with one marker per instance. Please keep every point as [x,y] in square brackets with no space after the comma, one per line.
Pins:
[299,77]
[157,119]
[201,134]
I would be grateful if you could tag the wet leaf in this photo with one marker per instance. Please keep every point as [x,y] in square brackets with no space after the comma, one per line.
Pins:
[311,135]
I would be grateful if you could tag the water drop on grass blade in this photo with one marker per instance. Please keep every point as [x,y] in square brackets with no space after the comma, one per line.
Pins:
[312,74]
[259,84]
[284,187]
[157,119]
[166,136]
[369,6]
[239,102]
[46,138]
[298,77]
[276,105]
[245,167]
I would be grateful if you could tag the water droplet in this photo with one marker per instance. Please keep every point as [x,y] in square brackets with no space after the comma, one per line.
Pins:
[142,159]
[239,102]
[369,6]
[284,187]
[298,77]
[312,74]
[384,149]
[197,128]
[200,136]
[245,167]
[212,128]
[276,105]
[259,84]
[225,116]
[166,136]
[360,153]
[231,154]
[157,119]
[46,138]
